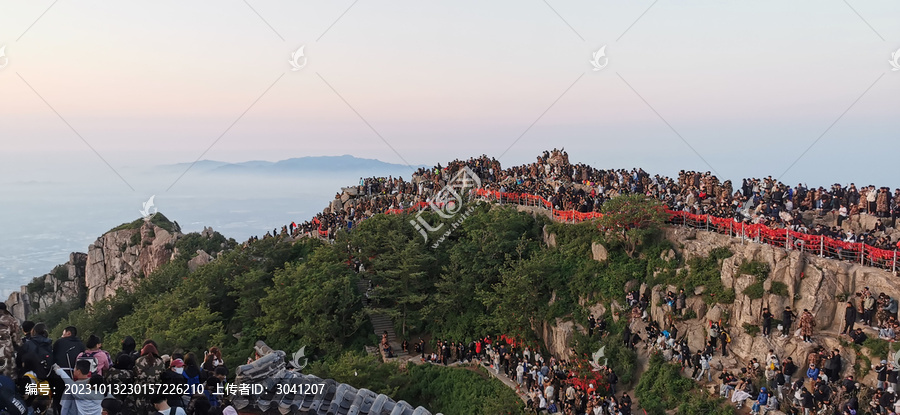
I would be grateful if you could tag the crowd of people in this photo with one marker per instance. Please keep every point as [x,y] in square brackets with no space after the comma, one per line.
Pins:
[69,376]
[549,385]
[582,188]
[819,384]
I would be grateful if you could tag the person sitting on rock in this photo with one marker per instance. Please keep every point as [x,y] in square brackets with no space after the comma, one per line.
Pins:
[886,332]
[858,336]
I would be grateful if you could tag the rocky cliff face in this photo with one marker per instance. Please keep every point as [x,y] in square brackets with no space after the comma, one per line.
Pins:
[121,258]
[65,283]
[813,283]
[118,259]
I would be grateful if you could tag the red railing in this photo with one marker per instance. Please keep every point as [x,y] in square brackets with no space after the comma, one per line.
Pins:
[783,238]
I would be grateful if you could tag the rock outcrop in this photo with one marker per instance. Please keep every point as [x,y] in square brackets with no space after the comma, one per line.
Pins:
[119,259]
[558,337]
[820,285]
[599,252]
[200,260]
[63,284]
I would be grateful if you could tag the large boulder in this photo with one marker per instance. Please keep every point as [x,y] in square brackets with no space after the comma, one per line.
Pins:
[200,260]
[558,337]
[549,238]
[599,252]
[119,259]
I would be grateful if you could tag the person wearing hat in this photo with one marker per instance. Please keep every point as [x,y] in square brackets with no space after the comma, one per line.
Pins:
[761,401]
[174,376]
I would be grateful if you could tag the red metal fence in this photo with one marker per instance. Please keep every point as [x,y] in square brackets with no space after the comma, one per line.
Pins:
[783,238]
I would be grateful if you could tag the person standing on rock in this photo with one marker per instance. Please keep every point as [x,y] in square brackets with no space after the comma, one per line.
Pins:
[626,336]
[788,368]
[713,332]
[681,302]
[868,307]
[766,322]
[724,339]
[807,323]
[695,362]
[850,316]
[787,318]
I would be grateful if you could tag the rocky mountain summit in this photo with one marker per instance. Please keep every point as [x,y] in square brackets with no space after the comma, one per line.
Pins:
[118,259]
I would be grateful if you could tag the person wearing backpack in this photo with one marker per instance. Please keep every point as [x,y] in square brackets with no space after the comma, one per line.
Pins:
[37,353]
[35,363]
[162,407]
[98,358]
[725,339]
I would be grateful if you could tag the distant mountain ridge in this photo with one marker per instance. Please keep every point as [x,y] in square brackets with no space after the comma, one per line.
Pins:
[302,164]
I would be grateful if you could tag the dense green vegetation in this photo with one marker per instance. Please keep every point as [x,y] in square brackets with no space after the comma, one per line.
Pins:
[706,272]
[449,390]
[758,269]
[493,274]
[755,291]
[662,388]
[779,288]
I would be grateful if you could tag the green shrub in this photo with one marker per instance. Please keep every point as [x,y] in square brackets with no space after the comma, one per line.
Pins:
[707,272]
[125,226]
[721,252]
[689,314]
[704,404]
[756,268]
[662,389]
[879,348]
[37,286]
[779,288]
[60,272]
[726,297]
[52,315]
[162,221]
[449,390]
[136,238]
[755,291]
[751,329]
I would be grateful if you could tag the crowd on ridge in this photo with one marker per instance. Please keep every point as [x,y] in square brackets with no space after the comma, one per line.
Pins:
[582,188]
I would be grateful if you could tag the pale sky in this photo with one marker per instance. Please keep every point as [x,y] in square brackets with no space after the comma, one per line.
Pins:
[750,85]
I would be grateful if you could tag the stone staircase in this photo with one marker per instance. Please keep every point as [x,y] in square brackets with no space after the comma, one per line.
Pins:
[380,324]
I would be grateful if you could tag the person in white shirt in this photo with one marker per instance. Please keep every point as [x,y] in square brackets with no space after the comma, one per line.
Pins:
[162,406]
